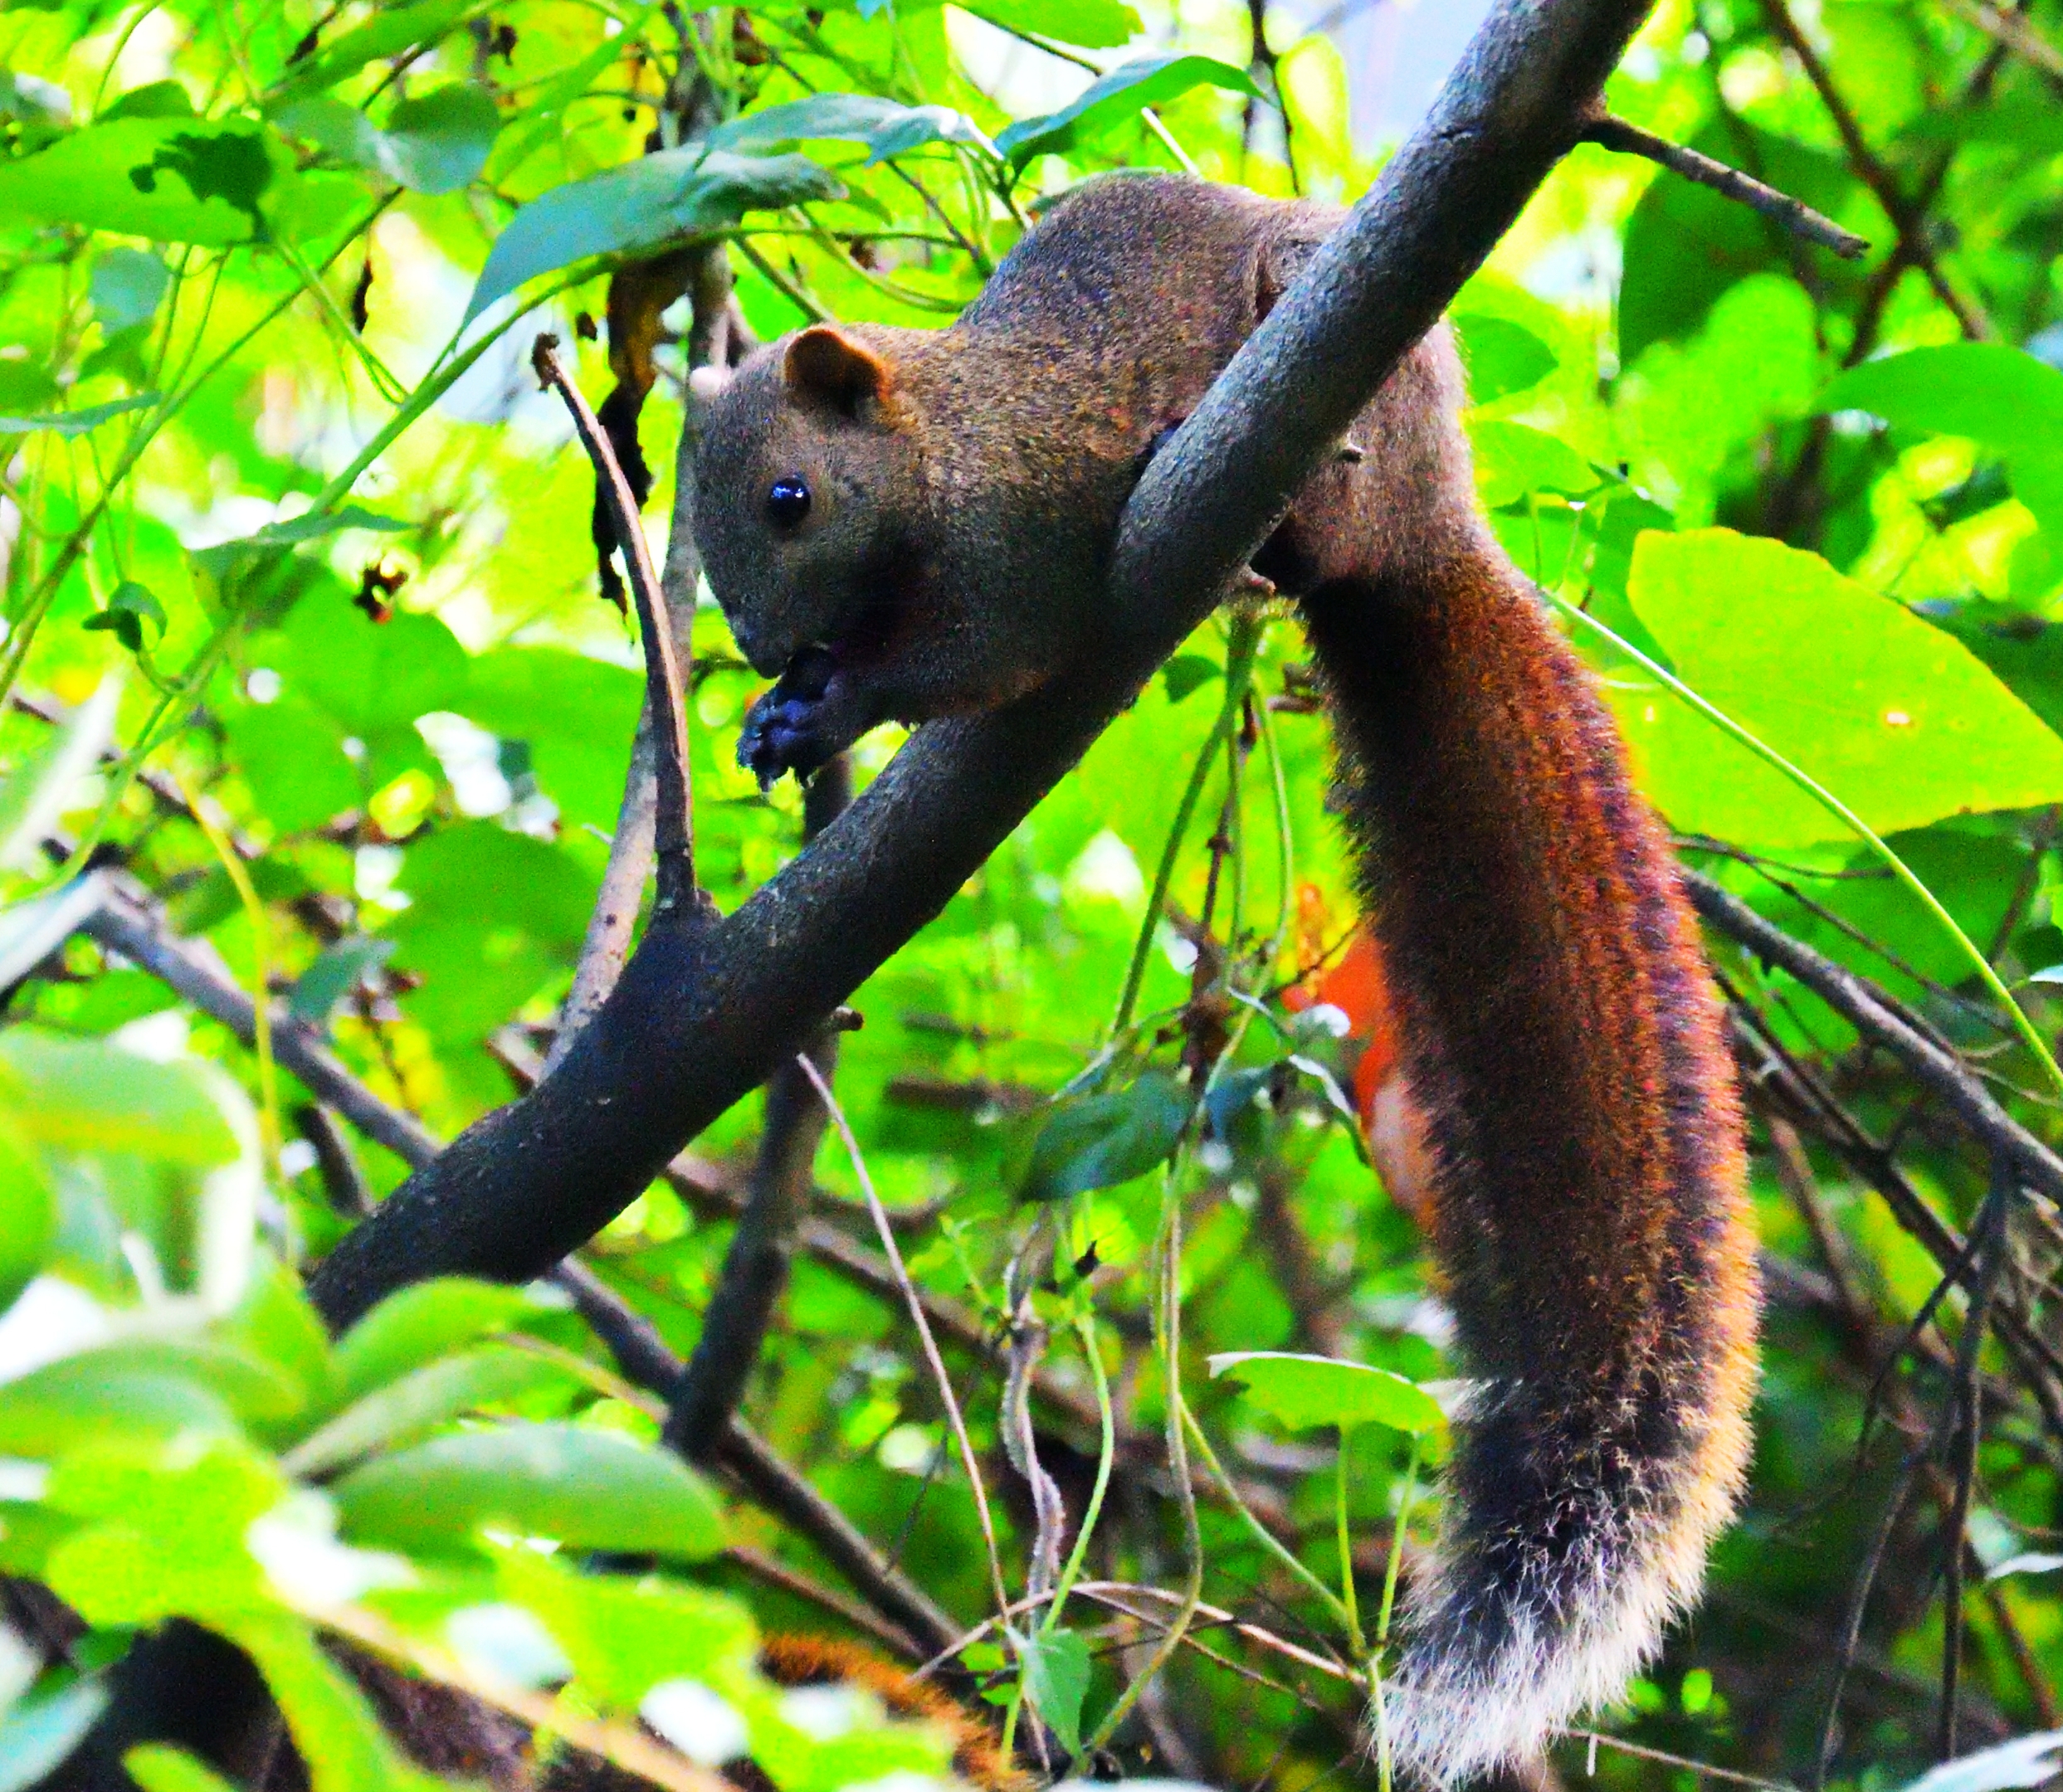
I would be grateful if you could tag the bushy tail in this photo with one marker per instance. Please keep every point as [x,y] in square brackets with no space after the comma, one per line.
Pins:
[1565,1043]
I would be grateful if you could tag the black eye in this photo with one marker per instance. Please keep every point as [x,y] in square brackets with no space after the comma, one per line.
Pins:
[788,500]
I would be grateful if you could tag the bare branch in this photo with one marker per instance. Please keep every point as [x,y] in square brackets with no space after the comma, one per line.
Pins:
[673,830]
[1794,215]
[1937,1069]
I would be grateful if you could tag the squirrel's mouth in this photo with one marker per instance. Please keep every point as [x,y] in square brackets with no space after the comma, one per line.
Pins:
[866,634]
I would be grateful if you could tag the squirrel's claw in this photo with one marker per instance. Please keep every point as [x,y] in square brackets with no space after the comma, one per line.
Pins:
[784,731]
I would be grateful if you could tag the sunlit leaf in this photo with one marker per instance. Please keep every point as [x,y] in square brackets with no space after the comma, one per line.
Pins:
[589,1489]
[640,204]
[420,1323]
[1303,1392]
[1150,81]
[885,127]
[1898,719]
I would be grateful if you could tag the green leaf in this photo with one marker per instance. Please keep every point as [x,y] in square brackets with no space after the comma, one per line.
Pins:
[885,127]
[420,1324]
[492,915]
[589,1489]
[159,1767]
[577,716]
[1513,460]
[1087,24]
[625,1636]
[1897,718]
[640,205]
[1503,357]
[403,1411]
[435,143]
[1094,1141]
[127,286]
[165,1527]
[226,558]
[2000,396]
[86,1095]
[388,33]
[335,974]
[171,180]
[99,1394]
[40,789]
[1057,1681]
[1304,1391]
[334,1728]
[1148,82]
[41,1733]
[154,100]
[72,423]
[1186,673]
[129,607]
[28,1214]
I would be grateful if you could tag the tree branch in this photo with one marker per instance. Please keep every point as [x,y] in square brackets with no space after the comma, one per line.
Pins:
[1937,1069]
[1794,215]
[665,688]
[702,1015]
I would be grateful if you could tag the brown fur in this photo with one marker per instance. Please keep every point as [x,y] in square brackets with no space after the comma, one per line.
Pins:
[1565,1041]
[978,1756]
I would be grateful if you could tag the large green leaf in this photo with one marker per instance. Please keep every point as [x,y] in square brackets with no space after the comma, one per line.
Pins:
[420,1323]
[1093,1141]
[1090,24]
[623,1636]
[401,1412]
[886,128]
[2000,396]
[436,143]
[85,1095]
[1148,82]
[1303,1392]
[1896,719]
[642,205]
[576,715]
[171,180]
[1057,1681]
[589,1489]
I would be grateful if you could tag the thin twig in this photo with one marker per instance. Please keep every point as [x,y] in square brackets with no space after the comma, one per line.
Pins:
[1858,1002]
[1794,215]
[2014,33]
[1988,1235]
[673,822]
[613,919]
[968,1460]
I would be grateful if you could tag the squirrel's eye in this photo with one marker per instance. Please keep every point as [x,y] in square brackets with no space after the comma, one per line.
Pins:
[788,500]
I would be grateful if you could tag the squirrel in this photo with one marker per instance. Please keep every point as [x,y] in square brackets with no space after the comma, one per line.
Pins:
[904,524]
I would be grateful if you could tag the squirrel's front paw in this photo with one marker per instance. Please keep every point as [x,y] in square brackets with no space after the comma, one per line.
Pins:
[790,728]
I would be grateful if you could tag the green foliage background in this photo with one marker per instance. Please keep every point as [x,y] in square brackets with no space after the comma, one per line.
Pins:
[269,275]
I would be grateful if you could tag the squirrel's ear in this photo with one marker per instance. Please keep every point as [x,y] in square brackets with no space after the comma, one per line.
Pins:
[825,364]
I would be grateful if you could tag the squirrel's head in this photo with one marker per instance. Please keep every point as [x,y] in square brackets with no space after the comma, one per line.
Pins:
[807,487]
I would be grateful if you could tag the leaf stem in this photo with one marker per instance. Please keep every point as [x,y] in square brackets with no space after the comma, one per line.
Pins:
[1240,645]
